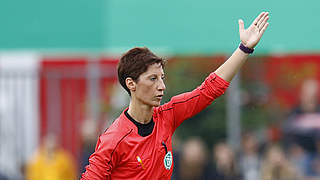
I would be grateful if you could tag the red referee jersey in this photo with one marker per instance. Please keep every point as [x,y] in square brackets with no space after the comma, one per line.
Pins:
[121,153]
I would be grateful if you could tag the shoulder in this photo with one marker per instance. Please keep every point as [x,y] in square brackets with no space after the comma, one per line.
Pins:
[115,134]
[163,108]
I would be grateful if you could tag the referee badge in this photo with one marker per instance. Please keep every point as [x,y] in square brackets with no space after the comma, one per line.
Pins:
[167,161]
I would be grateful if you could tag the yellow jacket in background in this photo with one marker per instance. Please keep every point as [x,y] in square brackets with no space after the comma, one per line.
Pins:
[55,166]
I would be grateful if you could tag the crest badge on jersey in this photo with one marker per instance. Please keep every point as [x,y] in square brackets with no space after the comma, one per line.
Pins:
[168,160]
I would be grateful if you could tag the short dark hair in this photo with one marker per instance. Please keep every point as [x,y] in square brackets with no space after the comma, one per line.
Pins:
[135,62]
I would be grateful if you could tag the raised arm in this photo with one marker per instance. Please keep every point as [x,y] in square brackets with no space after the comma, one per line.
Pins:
[249,39]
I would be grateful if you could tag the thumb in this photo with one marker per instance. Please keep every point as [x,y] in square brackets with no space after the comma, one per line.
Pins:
[241,25]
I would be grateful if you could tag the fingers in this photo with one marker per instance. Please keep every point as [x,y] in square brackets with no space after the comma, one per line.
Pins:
[241,25]
[255,22]
[263,23]
[263,20]
[264,29]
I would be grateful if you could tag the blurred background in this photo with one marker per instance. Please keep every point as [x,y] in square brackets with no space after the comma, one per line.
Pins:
[59,89]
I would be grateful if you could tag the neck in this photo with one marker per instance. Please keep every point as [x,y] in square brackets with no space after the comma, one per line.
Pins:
[140,112]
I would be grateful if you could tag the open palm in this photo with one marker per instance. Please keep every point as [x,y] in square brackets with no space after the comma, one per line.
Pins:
[251,36]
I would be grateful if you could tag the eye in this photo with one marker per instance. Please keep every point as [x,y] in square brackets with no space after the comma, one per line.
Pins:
[163,77]
[153,78]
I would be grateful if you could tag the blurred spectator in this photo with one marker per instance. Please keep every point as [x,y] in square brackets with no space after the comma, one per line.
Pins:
[51,162]
[304,121]
[298,158]
[249,160]
[89,136]
[224,167]
[192,161]
[313,170]
[276,166]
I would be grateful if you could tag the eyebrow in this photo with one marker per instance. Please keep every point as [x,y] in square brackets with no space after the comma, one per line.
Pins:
[155,74]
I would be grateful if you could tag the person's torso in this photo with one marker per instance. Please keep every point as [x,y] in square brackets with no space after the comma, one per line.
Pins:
[147,157]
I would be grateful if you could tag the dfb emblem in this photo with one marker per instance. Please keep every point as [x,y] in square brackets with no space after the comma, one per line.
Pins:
[168,160]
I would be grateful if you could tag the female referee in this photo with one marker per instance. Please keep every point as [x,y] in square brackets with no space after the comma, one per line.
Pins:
[138,143]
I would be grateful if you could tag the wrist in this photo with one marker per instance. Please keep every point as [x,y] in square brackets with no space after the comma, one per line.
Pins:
[245,49]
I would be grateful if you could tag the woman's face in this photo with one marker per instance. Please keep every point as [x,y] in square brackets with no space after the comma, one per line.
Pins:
[276,156]
[149,88]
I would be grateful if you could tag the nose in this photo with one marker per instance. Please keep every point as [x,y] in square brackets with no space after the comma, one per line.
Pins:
[161,86]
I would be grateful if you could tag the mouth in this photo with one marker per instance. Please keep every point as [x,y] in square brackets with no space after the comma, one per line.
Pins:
[159,96]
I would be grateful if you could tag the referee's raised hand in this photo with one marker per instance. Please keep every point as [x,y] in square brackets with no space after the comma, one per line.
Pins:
[251,36]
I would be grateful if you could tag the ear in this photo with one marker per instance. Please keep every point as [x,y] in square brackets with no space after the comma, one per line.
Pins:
[131,84]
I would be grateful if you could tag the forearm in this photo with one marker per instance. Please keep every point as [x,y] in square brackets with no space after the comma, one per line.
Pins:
[230,68]
[249,39]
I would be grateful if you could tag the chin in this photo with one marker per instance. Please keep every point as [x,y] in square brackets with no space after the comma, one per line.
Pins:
[156,105]
[153,103]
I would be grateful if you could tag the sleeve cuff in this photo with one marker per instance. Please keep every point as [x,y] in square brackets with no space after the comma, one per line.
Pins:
[218,79]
